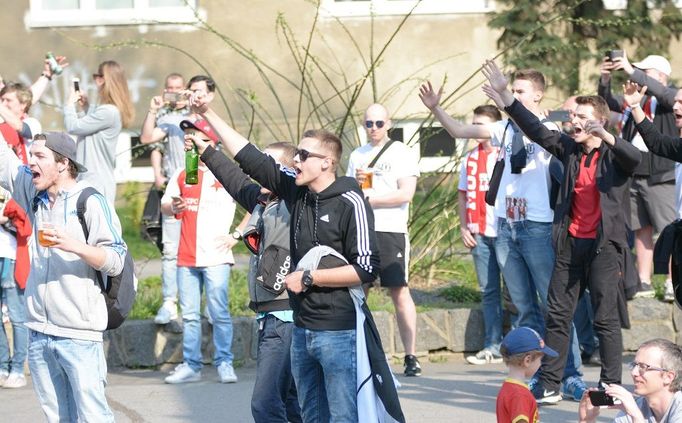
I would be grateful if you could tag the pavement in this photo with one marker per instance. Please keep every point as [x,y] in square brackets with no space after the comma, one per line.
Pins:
[449,391]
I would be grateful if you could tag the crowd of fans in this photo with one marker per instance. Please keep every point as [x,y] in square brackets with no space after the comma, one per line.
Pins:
[550,204]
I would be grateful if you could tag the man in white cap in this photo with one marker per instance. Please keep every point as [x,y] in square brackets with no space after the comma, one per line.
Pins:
[653,185]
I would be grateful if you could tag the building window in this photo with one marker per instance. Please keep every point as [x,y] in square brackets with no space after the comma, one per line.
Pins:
[109,12]
[362,8]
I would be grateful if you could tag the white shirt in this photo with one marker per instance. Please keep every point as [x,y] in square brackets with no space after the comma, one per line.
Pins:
[398,161]
[530,187]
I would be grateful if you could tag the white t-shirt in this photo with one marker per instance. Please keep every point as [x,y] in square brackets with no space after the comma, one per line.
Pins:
[523,196]
[8,242]
[397,162]
[483,179]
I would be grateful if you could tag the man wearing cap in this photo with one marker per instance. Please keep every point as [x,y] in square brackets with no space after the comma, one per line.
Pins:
[205,211]
[652,193]
[66,312]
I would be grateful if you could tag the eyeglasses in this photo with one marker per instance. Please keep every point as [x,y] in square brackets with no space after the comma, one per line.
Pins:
[379,123]
[643,368]
[97,75]
[304,154]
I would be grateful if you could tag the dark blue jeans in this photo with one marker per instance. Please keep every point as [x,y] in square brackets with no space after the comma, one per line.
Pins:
[274,396]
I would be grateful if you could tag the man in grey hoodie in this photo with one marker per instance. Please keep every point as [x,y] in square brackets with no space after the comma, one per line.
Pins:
[66,311]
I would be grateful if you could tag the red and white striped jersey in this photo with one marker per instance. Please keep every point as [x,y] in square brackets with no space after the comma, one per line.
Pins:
[205,222]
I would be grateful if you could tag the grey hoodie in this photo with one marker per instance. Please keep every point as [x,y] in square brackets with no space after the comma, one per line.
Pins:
[62,295]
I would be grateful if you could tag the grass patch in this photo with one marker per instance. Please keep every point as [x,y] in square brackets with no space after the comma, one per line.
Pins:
[149,297]
[461,294]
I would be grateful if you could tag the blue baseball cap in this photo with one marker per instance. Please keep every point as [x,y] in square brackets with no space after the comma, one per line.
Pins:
[522,340]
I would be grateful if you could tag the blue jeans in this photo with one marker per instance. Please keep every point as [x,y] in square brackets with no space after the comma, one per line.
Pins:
[69,376]
[170,229]
[13,297]
[324,368]
[274,396]
[488,274]
[191,281]
[526,255]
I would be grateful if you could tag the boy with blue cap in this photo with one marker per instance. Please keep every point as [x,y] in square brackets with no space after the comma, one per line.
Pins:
[522,350]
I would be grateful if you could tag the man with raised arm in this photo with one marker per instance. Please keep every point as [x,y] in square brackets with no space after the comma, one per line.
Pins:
[523,211]
[652,202]
[328,211]
[589,224]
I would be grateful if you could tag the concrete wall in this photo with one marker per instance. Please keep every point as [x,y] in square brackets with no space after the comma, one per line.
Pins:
[142,343]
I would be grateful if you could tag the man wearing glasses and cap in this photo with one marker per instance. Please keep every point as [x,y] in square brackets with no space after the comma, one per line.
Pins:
[66,311]
[657,375]
[387,172]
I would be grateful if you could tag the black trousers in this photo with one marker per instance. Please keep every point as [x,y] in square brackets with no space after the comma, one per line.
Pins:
[577,266]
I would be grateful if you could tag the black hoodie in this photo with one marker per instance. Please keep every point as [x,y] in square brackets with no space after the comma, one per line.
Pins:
[338,217]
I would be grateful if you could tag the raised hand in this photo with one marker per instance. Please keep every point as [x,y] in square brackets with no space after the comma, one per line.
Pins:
[494,96]
[623,63]
[496,79]
[156,103]
[429,97]
[596,128]
[192,140]
[198,101]
[632,93]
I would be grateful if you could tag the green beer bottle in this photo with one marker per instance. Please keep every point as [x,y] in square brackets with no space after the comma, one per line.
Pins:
[192,166]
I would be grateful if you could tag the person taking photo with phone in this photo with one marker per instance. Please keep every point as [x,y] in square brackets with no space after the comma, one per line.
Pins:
[98,126]
[657,375]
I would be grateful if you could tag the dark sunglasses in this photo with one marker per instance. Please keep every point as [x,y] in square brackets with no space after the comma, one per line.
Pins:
[97,75]
[378,123]
[304,154]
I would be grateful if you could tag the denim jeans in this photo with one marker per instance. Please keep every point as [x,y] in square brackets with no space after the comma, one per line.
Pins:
[69,376]
[325,370]
[526,255]
[170,228]
[488,274]
[13,297]
[215,280]
[274,396]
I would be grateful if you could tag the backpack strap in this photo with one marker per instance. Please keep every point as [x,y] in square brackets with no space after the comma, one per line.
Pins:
[376,158]
[81,206]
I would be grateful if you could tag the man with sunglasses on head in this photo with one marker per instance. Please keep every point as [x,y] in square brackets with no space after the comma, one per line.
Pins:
[657,375]
[389,186]
[325,211]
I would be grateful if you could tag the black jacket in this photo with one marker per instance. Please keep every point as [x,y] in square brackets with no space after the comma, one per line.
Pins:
[658,169]
[274,220]
[338,217]
[614,169]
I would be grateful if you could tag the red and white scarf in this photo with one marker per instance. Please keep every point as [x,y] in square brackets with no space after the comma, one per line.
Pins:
[478,180]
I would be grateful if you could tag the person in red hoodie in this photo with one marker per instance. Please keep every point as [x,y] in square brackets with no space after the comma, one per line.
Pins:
[12,293]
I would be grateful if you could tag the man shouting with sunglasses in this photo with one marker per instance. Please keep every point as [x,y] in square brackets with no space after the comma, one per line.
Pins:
[325,211]
[387,171]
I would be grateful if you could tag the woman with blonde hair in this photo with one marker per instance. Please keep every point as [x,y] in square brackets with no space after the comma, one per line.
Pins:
[98,126]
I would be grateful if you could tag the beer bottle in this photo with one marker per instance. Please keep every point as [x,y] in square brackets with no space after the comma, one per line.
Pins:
[54,65]
[192,166]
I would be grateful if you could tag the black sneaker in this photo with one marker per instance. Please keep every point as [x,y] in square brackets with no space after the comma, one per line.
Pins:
[412,367]
[545,397]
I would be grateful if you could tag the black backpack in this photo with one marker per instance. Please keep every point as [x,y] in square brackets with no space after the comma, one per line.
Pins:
[119,294]
[150,223]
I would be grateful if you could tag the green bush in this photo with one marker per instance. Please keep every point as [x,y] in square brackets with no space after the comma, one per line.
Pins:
[461,294]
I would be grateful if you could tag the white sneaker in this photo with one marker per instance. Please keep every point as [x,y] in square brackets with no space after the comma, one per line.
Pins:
[167,312]
[669,294]
[4,374]
[226,373]
[183,374]
[485,356]
[15,380]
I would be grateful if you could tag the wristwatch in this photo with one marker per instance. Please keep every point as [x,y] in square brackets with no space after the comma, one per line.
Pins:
[237,234]
[307,279]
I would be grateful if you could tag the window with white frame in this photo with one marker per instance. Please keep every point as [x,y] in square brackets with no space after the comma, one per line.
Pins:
[109,12]
[623,4]
[359,8]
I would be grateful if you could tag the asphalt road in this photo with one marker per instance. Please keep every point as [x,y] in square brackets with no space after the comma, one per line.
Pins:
[451,391]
